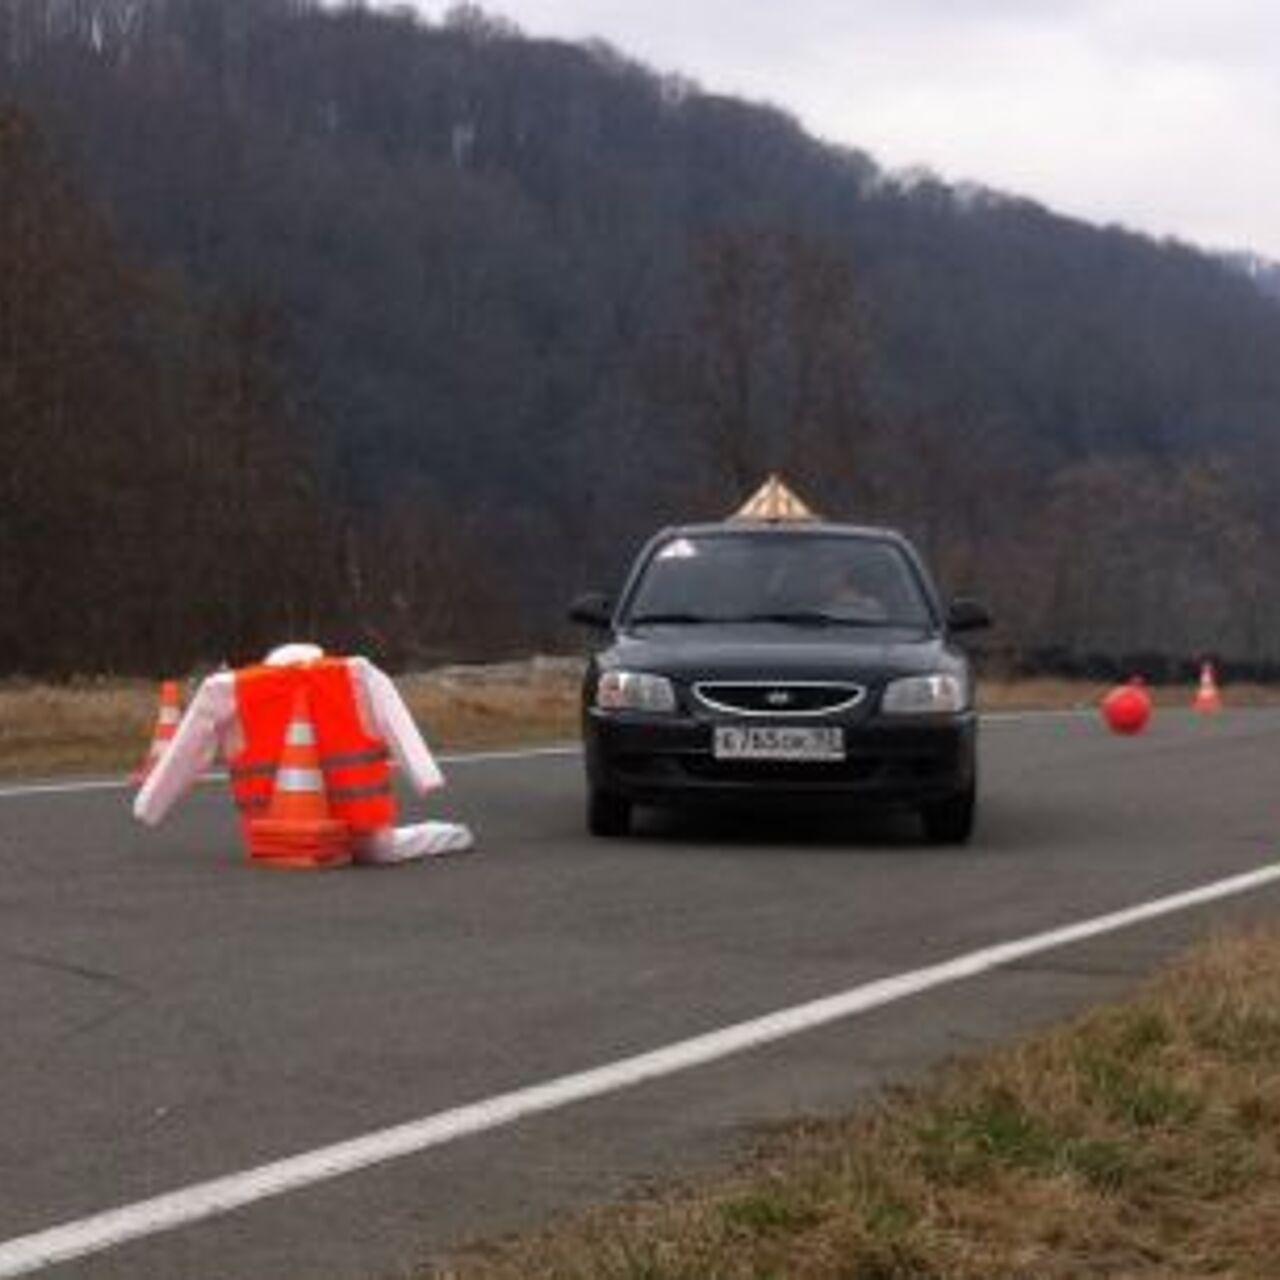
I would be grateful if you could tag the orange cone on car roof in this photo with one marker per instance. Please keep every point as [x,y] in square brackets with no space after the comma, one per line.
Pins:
[166,726]
[1207,696]
[773,501]
[296,828]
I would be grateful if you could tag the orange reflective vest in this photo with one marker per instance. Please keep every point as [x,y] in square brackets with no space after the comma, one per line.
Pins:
[355,765]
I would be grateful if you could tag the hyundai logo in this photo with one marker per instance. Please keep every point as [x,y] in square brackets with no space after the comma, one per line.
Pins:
[779,697]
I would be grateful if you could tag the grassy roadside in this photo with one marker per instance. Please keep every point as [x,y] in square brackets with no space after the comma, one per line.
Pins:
[104,726]
[1141,1140]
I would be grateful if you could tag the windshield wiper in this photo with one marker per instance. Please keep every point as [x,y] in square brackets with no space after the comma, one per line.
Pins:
[807,617]
[654,619]
[795,617]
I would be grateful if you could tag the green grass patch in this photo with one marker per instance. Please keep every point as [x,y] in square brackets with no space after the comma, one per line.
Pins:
[769,1213]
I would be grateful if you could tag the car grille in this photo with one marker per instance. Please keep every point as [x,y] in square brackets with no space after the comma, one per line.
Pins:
[877,769]
[778,698]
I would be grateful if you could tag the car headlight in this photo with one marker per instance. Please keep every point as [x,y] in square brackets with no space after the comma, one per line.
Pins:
[635,691]
[925,695]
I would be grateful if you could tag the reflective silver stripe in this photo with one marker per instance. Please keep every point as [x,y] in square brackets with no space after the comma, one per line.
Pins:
[170,715]
[300,780]
[372,756]
[360,793]
[300,733]
[252,770]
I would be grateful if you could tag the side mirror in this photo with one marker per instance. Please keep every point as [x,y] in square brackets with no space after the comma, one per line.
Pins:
[967,615]
[594,609]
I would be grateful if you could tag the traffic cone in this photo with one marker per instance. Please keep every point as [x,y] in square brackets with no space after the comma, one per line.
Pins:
[297,829]
[166,726]
[1207,696]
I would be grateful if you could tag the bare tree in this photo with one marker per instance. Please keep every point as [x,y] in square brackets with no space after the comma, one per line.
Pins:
[776,359]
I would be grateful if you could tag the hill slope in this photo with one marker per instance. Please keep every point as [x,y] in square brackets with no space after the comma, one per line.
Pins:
[524,293]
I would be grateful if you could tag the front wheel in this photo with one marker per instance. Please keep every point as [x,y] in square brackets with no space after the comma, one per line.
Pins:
[607,814]
[950,821]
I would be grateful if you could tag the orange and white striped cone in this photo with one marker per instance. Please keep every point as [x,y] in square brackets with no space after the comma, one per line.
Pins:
[166,726]
[297,829]
[1207,698]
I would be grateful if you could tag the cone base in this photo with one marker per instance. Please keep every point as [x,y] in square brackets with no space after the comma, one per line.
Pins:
[272,863]
[299,845]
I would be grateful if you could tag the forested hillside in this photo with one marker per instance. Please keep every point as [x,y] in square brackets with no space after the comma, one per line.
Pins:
[332,321]
[1262,271]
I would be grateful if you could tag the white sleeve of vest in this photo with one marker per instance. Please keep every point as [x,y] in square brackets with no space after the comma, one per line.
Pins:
[394,724]
[191,750]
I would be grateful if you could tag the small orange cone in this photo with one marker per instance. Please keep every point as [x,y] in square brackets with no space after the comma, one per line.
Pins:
[298,830]
[1207,696]
[166,726]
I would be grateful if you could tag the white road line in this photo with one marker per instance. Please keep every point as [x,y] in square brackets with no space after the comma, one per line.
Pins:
[25,1254]
[63,788]
[1016,717]
[514,753]
[74,786]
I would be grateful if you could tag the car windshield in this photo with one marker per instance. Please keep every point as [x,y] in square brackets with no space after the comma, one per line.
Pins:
[816,579]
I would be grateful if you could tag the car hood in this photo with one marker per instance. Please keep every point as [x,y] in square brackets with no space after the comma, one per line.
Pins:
[773,651]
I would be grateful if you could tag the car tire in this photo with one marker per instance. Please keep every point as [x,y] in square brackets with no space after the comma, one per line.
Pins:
[950,821]
[608,814]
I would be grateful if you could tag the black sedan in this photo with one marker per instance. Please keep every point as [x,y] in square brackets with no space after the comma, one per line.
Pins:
[794,662]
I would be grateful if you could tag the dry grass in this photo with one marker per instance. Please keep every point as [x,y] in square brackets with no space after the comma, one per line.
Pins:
[83,726]
[104,725]
[1142,1140]
[492,706]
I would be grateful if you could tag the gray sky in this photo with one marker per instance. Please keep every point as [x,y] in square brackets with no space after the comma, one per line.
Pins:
[1160,115]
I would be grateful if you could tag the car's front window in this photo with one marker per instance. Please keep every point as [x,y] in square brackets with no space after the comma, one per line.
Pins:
[821,579]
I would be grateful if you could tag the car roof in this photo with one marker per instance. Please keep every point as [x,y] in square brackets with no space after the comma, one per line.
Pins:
[782,528]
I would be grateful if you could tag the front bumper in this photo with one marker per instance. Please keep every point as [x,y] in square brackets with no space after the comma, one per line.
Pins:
[668,760]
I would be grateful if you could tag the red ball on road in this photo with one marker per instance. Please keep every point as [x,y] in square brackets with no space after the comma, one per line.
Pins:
[1127,708]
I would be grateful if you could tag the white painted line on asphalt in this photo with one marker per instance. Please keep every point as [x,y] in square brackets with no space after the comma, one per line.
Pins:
[72,787]
[25,1254]
[63,788]
[1015,717]
[514,753]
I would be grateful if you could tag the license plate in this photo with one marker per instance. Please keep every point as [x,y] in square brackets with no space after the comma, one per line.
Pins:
[778,742]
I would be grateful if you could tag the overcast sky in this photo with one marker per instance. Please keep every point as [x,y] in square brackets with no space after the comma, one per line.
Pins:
[1161,115]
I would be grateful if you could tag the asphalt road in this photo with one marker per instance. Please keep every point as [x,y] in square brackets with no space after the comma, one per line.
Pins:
[171,1015]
